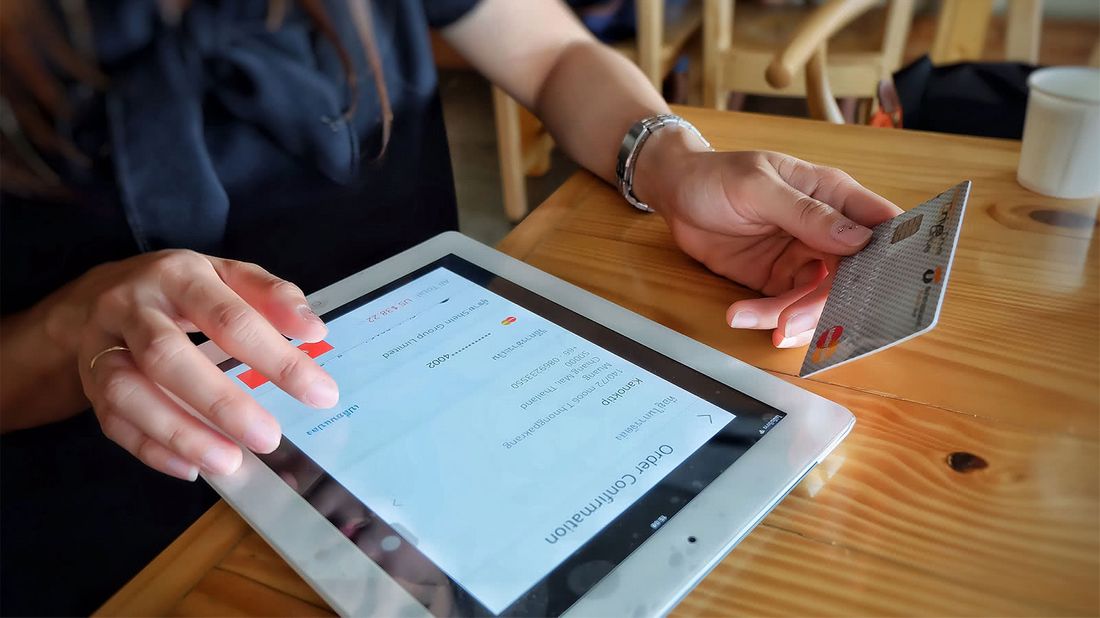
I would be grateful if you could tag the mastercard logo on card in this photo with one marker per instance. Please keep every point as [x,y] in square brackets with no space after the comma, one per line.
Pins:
[933,275]
[826,343]
[508,320]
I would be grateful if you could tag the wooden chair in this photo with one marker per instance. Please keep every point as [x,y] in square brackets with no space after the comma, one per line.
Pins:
[660,40]
[781,51]
[960,36]
[524,145]
[962,25]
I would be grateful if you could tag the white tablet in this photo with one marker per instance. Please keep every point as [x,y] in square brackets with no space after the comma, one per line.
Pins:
[509,444]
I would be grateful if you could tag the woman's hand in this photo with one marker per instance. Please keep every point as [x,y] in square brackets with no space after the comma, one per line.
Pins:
[148,304]
[768,221]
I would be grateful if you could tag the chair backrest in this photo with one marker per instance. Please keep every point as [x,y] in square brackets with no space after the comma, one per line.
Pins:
[899,18]
[828,19]
[962,25]
[808,50]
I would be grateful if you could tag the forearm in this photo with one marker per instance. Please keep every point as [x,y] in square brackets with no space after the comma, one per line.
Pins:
[587,94]
[590,99]
[39,382]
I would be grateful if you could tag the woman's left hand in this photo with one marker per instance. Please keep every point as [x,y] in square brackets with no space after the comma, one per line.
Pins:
[768,221]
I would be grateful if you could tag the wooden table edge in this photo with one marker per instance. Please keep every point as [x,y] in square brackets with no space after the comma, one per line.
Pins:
[156,589]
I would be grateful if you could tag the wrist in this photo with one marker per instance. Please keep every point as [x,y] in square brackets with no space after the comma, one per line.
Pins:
[58,321]
[40,382]
[662,164]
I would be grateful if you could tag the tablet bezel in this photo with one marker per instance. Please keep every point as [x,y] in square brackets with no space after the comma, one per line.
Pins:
[653,578]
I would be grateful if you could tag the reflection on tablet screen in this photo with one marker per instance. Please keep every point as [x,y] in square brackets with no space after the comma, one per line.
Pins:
[493,451]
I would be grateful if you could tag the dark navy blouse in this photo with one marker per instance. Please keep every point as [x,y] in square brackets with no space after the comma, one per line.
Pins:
[221,136]
[218,135]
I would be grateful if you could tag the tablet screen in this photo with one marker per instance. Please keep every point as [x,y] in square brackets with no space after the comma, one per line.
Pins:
[493,451]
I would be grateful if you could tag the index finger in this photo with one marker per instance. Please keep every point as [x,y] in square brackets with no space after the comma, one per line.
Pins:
[244,334]
[280,302]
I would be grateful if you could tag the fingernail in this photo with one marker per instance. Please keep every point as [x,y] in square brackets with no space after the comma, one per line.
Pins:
[322,393]
[744,319]
[181,469]
[307,312]
[797,341]
[798,324]
[219,461]
[262,437]
[851,234]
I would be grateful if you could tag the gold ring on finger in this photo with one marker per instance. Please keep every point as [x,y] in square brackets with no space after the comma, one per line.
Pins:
[114,348]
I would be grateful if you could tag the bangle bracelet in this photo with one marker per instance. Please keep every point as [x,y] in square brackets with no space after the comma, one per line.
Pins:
[632,147]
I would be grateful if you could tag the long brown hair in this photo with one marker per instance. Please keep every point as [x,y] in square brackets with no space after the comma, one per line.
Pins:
[32,98]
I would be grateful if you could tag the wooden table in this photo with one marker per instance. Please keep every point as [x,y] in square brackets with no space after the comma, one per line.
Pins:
[970,483]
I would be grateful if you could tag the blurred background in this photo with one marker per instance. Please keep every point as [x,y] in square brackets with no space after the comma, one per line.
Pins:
[714,53]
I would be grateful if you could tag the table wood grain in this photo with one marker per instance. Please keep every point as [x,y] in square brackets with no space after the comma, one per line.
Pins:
[971,482]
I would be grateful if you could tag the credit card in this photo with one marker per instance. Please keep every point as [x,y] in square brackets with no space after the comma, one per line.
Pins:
[893,289]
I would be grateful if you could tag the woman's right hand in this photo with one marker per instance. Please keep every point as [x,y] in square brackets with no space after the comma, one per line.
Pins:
[148,303]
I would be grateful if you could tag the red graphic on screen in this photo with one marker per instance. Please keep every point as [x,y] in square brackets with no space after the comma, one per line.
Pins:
[508,320]
[254,379]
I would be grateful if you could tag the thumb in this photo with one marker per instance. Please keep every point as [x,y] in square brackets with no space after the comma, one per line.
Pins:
[815,223]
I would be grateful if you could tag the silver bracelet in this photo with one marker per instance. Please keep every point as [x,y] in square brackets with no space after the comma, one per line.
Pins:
[632,146]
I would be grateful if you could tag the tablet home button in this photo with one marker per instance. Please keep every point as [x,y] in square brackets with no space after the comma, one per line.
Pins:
[390,543]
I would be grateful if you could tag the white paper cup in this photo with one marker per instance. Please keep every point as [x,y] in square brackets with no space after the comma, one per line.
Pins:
[1060,156]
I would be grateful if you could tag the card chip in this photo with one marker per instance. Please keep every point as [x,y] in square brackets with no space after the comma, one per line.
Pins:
[907,228]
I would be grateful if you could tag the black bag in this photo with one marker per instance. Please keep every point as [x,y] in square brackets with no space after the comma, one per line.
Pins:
[969,98]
